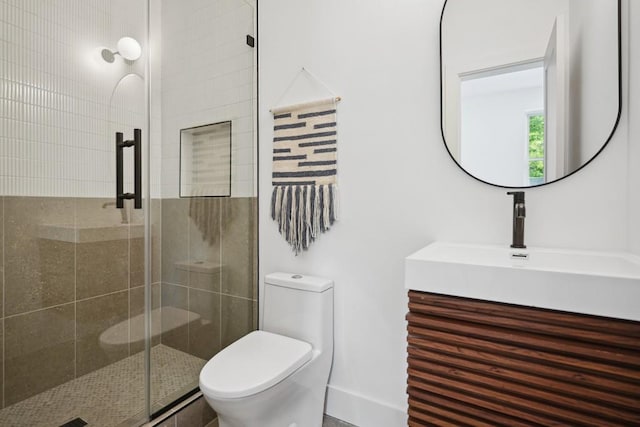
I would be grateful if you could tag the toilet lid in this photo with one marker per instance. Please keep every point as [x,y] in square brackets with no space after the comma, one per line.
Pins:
[252,364]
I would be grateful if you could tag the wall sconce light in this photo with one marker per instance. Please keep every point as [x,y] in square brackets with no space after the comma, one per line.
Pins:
[128,48]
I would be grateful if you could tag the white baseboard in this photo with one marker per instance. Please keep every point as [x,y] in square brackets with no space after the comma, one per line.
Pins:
[362,411]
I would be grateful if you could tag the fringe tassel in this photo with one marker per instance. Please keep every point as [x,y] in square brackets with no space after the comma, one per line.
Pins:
[303,212]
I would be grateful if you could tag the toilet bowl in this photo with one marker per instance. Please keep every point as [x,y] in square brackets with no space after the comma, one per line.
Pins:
[277,376]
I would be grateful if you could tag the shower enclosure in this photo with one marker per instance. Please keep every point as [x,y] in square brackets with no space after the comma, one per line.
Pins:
[127,203]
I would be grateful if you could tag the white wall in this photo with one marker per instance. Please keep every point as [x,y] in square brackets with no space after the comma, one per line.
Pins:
[399,188]
[494,134]
[593,101]
[632,19]
[514,37]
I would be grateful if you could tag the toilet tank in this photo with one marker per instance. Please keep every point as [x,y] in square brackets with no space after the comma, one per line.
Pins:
[299,307]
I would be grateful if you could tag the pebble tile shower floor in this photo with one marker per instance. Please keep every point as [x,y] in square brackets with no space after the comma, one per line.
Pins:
[111,395]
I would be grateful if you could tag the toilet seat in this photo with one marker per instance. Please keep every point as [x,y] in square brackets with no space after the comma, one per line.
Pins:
[252,364]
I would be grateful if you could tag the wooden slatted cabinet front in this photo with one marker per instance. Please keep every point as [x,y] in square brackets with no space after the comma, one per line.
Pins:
[481,363]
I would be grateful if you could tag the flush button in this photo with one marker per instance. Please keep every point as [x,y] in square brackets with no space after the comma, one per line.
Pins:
[296,276]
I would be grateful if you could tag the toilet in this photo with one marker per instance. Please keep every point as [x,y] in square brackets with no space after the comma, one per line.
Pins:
[277,376]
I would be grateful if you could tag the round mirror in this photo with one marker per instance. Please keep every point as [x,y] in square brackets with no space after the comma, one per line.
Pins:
[530,89]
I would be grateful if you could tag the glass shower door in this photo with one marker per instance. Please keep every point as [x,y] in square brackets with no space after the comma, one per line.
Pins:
[108,313]
[203,165]
[72,294]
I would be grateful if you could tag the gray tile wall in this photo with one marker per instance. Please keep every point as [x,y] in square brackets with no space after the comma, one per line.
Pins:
[38,349]
[1,358]
[58,293]
[94,316]
[39,273]
[1,269]
[222,232]
[2,299]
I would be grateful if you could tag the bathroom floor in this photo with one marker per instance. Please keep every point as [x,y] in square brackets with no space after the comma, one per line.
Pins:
[334,422]
[111,395]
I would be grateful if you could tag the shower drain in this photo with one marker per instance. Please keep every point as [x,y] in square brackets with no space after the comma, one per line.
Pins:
[76,422]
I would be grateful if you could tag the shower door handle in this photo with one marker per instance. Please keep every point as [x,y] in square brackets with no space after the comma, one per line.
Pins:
[121,144]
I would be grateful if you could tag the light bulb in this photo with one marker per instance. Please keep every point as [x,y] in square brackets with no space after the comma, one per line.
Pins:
[129,48]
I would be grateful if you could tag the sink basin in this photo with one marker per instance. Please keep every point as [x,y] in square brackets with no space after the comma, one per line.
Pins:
[597,283]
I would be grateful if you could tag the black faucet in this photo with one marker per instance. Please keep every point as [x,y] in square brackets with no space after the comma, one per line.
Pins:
[518,219]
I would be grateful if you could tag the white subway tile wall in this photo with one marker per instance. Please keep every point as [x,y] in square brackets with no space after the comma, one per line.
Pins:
[60,102]
[208,76]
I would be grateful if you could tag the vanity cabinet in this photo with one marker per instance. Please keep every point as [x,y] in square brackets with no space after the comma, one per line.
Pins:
[480,363]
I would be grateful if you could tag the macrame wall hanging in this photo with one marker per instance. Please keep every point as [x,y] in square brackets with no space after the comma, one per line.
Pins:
[304,197]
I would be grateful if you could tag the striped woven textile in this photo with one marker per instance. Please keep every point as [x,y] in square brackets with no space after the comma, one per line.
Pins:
[304,197]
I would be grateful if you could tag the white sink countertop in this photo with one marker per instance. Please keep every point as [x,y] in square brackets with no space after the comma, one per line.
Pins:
[597,283]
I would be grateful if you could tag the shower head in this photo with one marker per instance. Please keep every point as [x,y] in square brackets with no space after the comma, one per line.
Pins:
[128,48]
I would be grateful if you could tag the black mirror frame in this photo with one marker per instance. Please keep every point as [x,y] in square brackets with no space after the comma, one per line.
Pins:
[613,130]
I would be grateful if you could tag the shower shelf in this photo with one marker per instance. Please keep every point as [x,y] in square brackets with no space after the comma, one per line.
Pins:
[197,266]
[87,234]
[163,320]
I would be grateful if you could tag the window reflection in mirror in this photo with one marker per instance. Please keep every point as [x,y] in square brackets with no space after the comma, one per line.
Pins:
[536,147]
[496,106]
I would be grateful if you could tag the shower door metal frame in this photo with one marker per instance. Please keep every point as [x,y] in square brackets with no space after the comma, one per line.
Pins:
[146,202]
